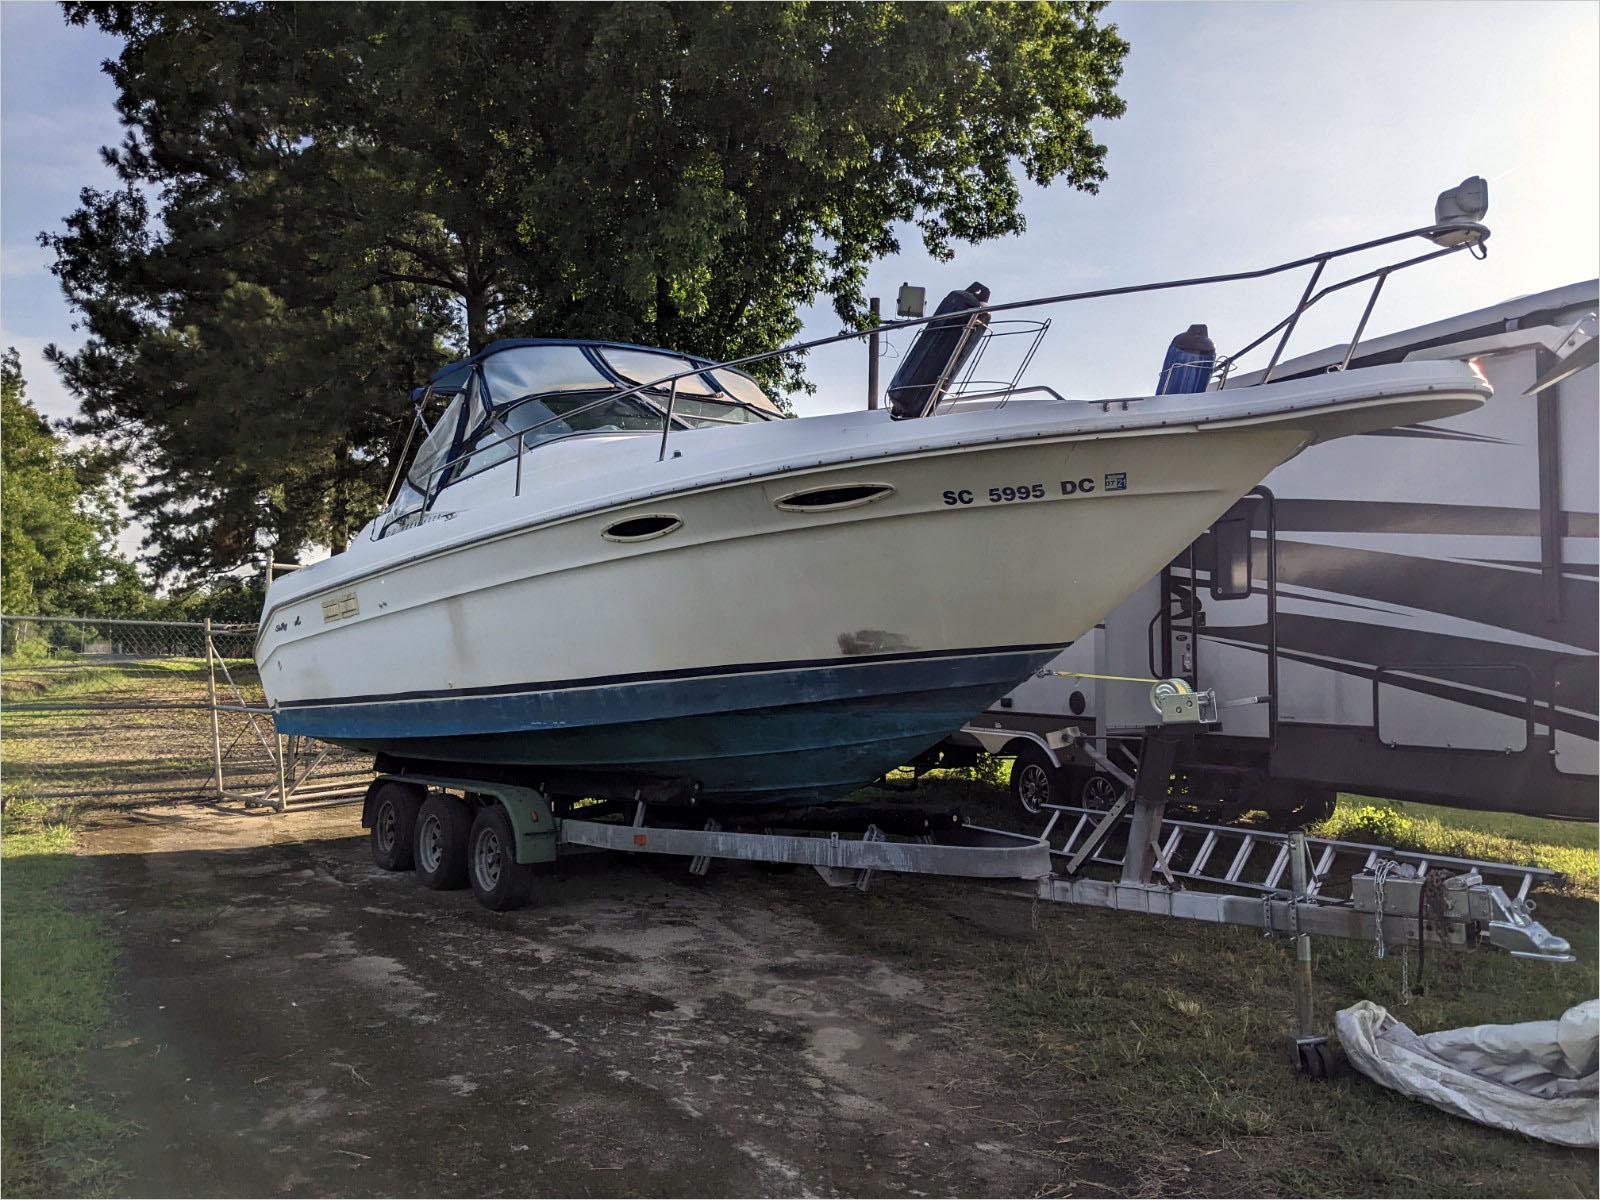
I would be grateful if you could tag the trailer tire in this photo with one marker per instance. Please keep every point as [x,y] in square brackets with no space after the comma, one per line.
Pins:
[498,881]
[393,817]
[1036,781]
[441,842]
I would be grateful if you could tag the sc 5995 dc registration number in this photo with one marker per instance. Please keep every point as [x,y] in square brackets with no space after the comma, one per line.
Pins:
[1112,481]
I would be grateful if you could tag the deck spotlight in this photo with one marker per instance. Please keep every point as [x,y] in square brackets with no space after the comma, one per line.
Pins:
[1461,210]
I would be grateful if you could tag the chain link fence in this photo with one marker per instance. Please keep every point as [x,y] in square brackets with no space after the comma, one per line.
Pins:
[148,711]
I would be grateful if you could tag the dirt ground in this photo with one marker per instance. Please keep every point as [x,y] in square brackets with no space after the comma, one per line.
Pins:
[303,1023]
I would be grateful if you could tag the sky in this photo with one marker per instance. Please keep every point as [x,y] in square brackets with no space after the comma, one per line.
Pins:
[1255,133]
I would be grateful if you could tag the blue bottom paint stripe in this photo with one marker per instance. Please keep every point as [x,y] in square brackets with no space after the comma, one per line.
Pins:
[467,714]
[777,737]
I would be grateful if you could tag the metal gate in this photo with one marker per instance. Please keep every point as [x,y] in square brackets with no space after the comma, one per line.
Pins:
[149,711]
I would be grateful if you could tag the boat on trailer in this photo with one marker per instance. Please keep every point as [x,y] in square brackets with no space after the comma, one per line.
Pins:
[610,562]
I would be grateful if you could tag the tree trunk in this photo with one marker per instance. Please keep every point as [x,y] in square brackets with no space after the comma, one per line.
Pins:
[477,300]
[476,296]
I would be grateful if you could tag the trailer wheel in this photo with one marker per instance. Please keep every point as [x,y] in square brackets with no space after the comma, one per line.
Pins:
[441,853]
[1035,781]
[499,882]
[1098,791]
[394,823]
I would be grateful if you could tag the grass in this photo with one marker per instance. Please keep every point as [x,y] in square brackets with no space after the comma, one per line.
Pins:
[130,728]
[1159,1044]
[55,989]
[1566,846]
[144,679]
[1168,1040]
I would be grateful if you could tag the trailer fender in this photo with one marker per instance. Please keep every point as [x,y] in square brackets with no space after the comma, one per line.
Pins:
[1008,743]
[529,811]
[532,820]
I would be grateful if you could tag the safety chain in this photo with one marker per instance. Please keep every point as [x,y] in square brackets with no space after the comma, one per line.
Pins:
[1380,878]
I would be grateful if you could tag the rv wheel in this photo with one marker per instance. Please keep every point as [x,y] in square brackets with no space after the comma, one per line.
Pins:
[1035,781]
[1295,805]
[498,880]
[1098,791]
[441,842]
[394,823]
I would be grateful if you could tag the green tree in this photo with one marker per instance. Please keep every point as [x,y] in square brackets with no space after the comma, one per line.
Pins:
[318,203]
[58,518]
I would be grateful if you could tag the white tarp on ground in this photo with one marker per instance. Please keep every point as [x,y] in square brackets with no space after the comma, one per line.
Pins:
[1538,1078]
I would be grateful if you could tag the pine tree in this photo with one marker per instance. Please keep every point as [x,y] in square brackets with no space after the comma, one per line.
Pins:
[321,203]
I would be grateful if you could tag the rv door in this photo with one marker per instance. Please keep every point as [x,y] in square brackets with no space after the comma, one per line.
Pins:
[1233,645]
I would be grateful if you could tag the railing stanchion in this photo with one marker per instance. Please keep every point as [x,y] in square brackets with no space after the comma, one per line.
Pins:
[666,421]
[1362,327]
[1266,376]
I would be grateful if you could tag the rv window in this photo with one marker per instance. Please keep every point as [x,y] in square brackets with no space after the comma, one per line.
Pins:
[1230,565]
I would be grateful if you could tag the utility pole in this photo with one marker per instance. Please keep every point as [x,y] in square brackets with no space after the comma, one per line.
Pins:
[872,354]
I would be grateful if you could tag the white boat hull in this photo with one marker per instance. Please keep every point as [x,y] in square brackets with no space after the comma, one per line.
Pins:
[769,655]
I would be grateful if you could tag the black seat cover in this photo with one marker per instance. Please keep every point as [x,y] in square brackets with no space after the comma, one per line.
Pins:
[930,356]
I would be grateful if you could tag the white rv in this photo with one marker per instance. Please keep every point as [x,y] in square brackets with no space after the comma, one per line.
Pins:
[1409,613]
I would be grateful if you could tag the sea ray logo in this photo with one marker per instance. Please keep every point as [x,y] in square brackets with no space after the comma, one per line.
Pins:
[1116,481]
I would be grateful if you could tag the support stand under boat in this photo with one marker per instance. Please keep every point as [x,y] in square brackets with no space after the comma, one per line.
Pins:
[1311,1053]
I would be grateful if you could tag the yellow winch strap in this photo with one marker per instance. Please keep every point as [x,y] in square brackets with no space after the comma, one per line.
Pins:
[1113,678]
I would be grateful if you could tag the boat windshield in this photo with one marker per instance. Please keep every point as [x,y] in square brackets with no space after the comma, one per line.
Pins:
[436,447]
[516,373]
[543,392]
[543,418]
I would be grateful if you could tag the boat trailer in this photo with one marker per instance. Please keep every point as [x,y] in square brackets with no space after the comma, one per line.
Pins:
[1130,857]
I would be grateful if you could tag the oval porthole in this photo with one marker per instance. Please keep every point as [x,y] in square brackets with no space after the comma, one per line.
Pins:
[641,529]
[829,499]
